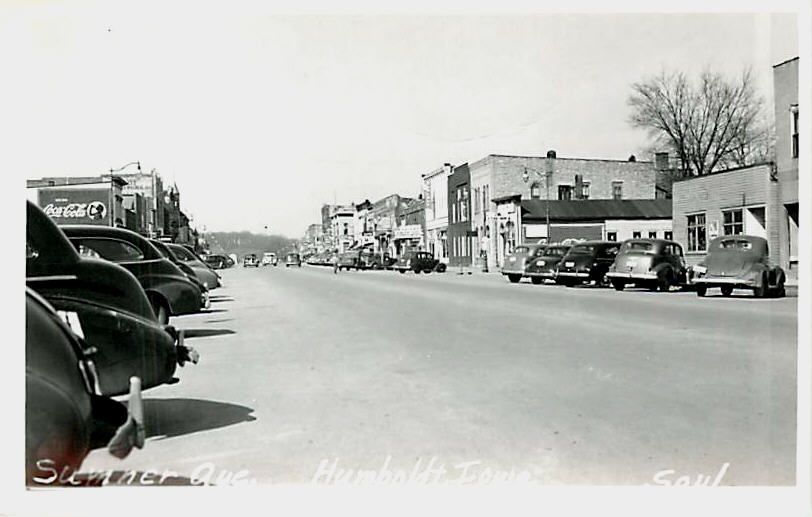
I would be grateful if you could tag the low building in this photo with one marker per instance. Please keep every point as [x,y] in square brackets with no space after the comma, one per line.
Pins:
[80,200]
[435,195]
[787,143]
[409,234]
[521,221]
[731,202]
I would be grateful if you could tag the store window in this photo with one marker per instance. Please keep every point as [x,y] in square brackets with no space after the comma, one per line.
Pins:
[652,235]
[635,235]
[611,236]
[565,192]
[669,236]
[617,190]
[732,222]
[697,236]
[585,190]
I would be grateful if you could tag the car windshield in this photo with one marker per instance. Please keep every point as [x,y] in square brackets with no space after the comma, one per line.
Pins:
[183,254]
[736,244]
[638,247]
[583,249]
[556,251]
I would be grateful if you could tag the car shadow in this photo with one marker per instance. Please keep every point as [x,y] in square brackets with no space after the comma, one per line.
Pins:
[166,418]
[193,333]
[209,311]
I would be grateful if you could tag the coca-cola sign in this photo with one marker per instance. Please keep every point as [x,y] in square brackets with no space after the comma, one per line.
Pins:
[86,206]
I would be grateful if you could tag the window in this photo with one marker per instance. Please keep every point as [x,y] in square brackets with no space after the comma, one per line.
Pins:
[109,249]
[652,235]
[346,229]
[476,200]
[696,233]
[585,190]
[565,192]
[732,222]
[462,200]
[611,236]
[535,191]
[635,235]
[617,190]
[669,236]
[794,129]
[609,252]
[485,199]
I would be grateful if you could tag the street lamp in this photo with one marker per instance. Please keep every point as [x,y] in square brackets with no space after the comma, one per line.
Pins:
[125,166]
[548,173]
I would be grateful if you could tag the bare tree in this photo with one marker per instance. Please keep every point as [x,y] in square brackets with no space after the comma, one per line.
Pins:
[712,124]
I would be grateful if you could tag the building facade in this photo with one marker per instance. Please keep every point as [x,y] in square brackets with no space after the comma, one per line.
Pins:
[460,238]
[785,88]
[435,195]
[409,234]
[736,201]
[546,177]
[342,223]
[151,188]
[80,200]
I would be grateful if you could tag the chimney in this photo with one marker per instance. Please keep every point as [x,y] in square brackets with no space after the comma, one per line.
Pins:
[551,153]
[632,158]
[447,168]
[661,161]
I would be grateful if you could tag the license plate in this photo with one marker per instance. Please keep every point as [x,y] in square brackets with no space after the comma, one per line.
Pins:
[569,264]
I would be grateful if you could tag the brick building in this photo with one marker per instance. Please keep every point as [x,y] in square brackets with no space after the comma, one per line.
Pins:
[785,88]
[547,177]
[80,200]
[409,234]
[460,225]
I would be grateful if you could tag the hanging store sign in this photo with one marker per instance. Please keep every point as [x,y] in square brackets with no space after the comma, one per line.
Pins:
[409,231]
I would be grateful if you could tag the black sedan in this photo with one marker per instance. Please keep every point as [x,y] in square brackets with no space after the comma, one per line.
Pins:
[170,292]
[419,261]
[587,262]
[207,276]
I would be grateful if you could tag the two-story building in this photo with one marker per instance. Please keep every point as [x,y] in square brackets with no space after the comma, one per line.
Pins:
[409,234]
[435,195]
[461,237]
[785,89]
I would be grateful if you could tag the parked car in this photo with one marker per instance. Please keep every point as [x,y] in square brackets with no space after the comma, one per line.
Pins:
[269,259]
[168,289]
[250,260]
[651,263]
[108,307]
[206,275]
[293,259]
[218,261]
[739,262]
[419,261]
[65,414]
[190,273]
[516,263]
[372,260]
[544,265]
[586,262]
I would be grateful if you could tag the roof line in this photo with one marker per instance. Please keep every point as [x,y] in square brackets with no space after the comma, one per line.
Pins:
[734,169]
[564,158]
[786,61]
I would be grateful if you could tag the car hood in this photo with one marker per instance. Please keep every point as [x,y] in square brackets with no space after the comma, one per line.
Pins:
[729,263]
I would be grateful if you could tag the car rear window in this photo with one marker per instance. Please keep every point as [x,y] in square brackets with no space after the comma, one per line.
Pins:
[638,247]
[736,244]
[109,249]
[583,249]
[521,249]
[556,251]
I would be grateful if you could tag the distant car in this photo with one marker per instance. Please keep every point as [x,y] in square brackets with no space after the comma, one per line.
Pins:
[543,266]
[269,259]
[218,261]
[651,263]
[516,263]
[65,414]
[586,262]
[169,290]
[419,261]
[250,260]
[739,262]
[191,274]
[372,260]
[293,259]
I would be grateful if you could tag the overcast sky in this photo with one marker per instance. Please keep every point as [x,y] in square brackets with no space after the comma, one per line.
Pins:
[261,119]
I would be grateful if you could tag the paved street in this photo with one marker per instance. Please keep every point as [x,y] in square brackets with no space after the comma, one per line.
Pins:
[576,386]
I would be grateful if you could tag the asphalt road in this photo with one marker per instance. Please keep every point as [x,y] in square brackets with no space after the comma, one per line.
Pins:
[306,375]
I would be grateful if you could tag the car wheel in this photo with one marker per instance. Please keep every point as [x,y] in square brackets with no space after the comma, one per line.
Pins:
[701,291]
[780,291]
[514,279]
[441,268]
[536,280]
[402,271]
[727,290]
[416,271]
[427,270]
[760,291]
[619,285]
[375,266]
[664,282]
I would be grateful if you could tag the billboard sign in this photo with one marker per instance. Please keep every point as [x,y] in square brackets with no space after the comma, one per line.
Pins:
[409,231]
[76,206]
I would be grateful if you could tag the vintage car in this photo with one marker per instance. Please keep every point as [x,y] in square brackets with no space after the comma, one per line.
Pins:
[217,261]
[191,274]
[419,261]
[65,413]
[543,266]
[169,290]
[250,260]
[293,259]
[372,260]
[650,263]
[208,277]
[269,259]
[586,262]
[516,263]
[108,307]
[739,262]
[349,259]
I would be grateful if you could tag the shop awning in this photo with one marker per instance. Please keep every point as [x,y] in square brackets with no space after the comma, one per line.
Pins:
[584,210]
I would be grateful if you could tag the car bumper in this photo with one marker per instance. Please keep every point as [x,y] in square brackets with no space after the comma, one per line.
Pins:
[512,272]
[718,281]
[630,276]
[572,274]
[540,274]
